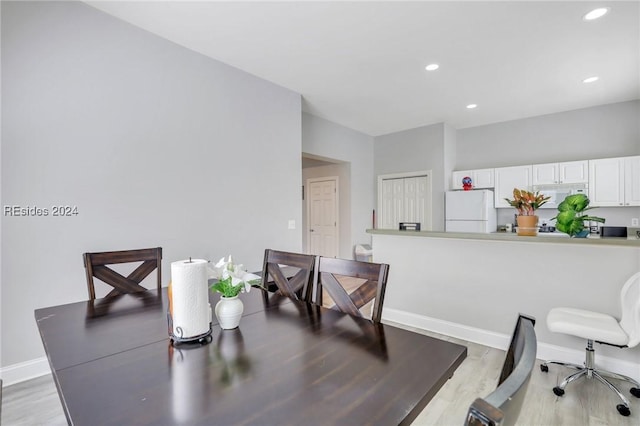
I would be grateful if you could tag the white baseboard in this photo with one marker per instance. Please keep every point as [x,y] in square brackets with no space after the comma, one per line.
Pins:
[492,339]
[22,371]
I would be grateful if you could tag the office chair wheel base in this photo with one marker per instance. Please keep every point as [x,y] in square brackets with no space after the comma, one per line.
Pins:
[635,392]
[623,409]
[560,392]
[544,368]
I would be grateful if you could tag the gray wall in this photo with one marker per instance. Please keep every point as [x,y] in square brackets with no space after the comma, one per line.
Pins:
[418,149]
[156,145]
[599,132]
[326,139]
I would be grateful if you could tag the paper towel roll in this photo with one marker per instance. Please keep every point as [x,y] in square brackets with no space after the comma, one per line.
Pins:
[190,298]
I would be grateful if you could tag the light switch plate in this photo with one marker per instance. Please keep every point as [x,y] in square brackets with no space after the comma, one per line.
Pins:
[634,222]
[292,224]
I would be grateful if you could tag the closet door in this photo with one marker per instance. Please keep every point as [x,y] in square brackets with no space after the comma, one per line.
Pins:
[405,200]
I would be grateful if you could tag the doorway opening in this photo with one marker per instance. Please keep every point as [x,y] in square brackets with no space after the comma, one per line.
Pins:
[321,207]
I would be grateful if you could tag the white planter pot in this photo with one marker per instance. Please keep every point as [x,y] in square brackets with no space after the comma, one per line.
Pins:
[229,311]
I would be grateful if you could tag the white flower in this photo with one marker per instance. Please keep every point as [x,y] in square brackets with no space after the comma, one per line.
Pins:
[226,268]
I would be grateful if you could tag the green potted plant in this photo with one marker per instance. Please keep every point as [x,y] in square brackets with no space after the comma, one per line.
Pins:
[527,202]
[571,216]
[232,280]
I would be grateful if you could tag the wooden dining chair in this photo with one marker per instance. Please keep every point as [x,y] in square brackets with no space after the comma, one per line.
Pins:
[289,274]
[351,285]
[96,265]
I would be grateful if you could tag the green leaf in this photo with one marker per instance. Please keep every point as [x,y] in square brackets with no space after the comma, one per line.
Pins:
[593,219]
[577,202]
[565,217]
[562,227]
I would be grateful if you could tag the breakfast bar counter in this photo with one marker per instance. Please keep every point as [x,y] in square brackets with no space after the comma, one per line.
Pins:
[512,236]
[471,286]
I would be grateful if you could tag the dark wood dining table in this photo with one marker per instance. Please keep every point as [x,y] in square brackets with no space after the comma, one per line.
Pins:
[289,362]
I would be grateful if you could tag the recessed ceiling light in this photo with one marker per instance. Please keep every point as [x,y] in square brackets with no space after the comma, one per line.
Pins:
[471,106]
[596,13]
[590,79]
[432,67]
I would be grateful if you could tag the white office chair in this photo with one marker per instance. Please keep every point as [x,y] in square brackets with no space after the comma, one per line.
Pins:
[605,329]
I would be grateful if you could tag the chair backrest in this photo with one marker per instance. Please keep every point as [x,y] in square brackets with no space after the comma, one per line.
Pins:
[96,266]
[290,273]
[630,301]
[503,405]
[351,284]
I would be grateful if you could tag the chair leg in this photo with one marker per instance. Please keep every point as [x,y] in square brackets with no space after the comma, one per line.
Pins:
[617,376]
[571,378]
[610,385]
[589,371]
[544,365]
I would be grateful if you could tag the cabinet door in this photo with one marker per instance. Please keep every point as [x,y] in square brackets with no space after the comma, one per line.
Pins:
[632,181]
[392,202]
[483,178]
[508,178]
[574,172]
[415,200]
[456,178]
[545,174]
[606,182]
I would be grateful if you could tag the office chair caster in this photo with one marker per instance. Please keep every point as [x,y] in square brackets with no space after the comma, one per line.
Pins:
[635,392]
[558,391]
[623,410]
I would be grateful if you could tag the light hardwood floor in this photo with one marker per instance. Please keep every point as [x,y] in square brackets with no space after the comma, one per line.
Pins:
[36,401]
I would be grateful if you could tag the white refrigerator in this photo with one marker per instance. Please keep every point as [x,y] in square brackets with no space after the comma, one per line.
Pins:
[470,211]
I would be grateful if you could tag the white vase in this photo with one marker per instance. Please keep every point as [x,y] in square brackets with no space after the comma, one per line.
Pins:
[229,311]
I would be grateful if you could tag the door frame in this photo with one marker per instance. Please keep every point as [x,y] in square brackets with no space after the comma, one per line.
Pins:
[337,210]
[428,173]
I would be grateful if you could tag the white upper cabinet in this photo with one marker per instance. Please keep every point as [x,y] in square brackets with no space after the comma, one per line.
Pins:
[508,178]
[481,178]
[557,173]
[614,182]
[545,174]
[574,172]
[632,181]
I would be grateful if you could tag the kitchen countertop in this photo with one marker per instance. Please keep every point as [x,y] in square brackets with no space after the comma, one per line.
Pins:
[509,236]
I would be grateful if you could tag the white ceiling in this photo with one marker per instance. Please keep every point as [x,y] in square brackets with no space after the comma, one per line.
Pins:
[361,64]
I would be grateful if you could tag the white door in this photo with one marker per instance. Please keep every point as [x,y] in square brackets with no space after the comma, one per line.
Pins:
[632,181]
[483,178]
[544,174]
[574,172]
[410,201]
[404,199]
[508,178]
[606,182]
[323,217]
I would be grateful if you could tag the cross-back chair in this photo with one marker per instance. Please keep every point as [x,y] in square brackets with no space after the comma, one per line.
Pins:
[502,406]
[96,265]
[334,276]
[291,274]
